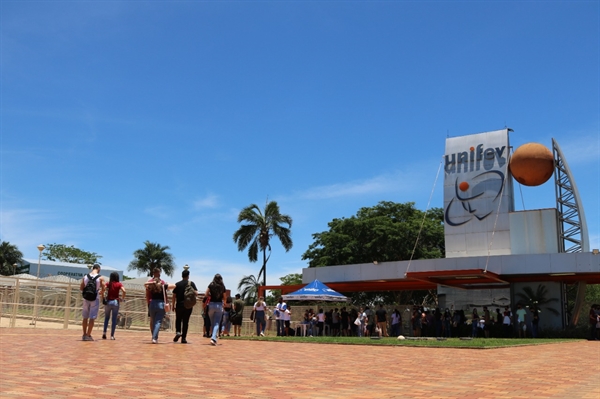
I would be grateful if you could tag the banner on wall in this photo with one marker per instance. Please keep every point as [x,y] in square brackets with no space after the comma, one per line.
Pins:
[478,194]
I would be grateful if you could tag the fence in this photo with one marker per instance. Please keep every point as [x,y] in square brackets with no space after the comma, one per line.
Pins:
[56,304]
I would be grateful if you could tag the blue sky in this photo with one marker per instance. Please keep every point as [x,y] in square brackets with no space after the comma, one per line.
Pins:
[130,121]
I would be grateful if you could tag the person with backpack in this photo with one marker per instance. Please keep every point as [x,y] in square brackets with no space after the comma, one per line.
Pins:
[111,305]
[184,300]
[90,286]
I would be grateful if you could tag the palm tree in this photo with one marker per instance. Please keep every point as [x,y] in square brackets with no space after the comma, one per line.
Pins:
[257,233]
[538,298]
[9,256]
[248,289]
[151,256]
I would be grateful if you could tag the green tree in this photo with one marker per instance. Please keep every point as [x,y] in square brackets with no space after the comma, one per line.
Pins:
[257,231]
[538,298]
[386,232]
[383,233]
[289,279]
[153,255]
[69,254]
[9,257]
[248,289]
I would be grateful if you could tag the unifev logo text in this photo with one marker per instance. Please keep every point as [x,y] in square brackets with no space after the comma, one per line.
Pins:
[475,159]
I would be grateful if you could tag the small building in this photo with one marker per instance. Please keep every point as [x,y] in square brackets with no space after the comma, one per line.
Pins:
[73,270]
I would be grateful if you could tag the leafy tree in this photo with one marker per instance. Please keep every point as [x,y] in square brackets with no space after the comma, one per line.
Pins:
[257,231]
[70,254]
[153,255]
[9,256]
[386,232]
[248,289]
[289,279]
[592,293]
[538,298]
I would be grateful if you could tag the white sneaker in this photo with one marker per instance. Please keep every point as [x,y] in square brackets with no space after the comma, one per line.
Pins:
[154,341]
[262,335]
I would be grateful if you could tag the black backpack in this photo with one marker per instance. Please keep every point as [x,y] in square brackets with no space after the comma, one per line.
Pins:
[189,296]
[89,291]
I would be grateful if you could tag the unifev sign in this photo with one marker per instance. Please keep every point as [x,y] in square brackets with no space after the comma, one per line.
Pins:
[478,194]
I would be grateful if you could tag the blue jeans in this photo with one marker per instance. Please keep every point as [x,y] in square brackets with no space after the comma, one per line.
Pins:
[280,328]
[157,312]
[447,330]
[111,310]
[215,312]
[395,330]
[225,322]
[361,328]
[259,318]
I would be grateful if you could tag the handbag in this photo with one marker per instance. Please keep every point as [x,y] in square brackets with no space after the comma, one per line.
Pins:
[205,303]
[167,304]
[252,315]
[357,321]
[105,296]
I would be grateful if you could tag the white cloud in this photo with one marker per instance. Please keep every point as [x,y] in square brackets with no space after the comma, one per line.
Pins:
[580,147]
[27,228]
[160,212]
[394,182]
[202,272]
[210,201]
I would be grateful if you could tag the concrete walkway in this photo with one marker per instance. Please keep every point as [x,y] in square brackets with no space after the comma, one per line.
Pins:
[38,363]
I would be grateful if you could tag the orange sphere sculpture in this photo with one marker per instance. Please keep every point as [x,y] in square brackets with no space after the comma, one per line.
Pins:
[532,164]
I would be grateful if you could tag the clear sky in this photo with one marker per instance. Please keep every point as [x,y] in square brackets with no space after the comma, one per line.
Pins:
[123,122]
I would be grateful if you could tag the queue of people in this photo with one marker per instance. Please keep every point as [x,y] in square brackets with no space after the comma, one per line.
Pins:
[221,312]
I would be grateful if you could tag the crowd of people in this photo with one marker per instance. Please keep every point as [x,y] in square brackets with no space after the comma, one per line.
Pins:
[220,312]
[498,324]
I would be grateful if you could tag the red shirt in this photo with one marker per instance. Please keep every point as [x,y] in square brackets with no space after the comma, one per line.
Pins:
[113,290]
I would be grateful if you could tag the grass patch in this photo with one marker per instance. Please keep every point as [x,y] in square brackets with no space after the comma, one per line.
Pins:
[476,343]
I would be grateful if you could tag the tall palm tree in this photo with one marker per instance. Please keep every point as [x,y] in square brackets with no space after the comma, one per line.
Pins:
[257,232]
[151,256]
[537,298]
[248,289]
[9,256]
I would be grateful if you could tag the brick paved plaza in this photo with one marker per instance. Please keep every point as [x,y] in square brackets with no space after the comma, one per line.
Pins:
[43,363]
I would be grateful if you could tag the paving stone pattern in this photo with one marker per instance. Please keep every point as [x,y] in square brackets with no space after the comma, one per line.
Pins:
[57,364]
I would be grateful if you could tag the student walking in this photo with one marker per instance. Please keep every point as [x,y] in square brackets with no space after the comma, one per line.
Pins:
[260,308]
[90,285]
[158,301]
[182,314]
[217,292]
[111,308]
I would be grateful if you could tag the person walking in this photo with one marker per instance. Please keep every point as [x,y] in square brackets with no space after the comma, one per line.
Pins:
[158,302]
[218,294]
[182,314]
[155,274]
[89,287]
[260,307]
[238,308]
[111,308]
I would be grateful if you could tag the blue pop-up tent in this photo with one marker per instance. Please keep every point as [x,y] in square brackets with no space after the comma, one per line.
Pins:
[315,291]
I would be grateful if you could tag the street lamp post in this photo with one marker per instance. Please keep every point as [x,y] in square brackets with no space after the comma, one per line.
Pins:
[40,248]
[14,269]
